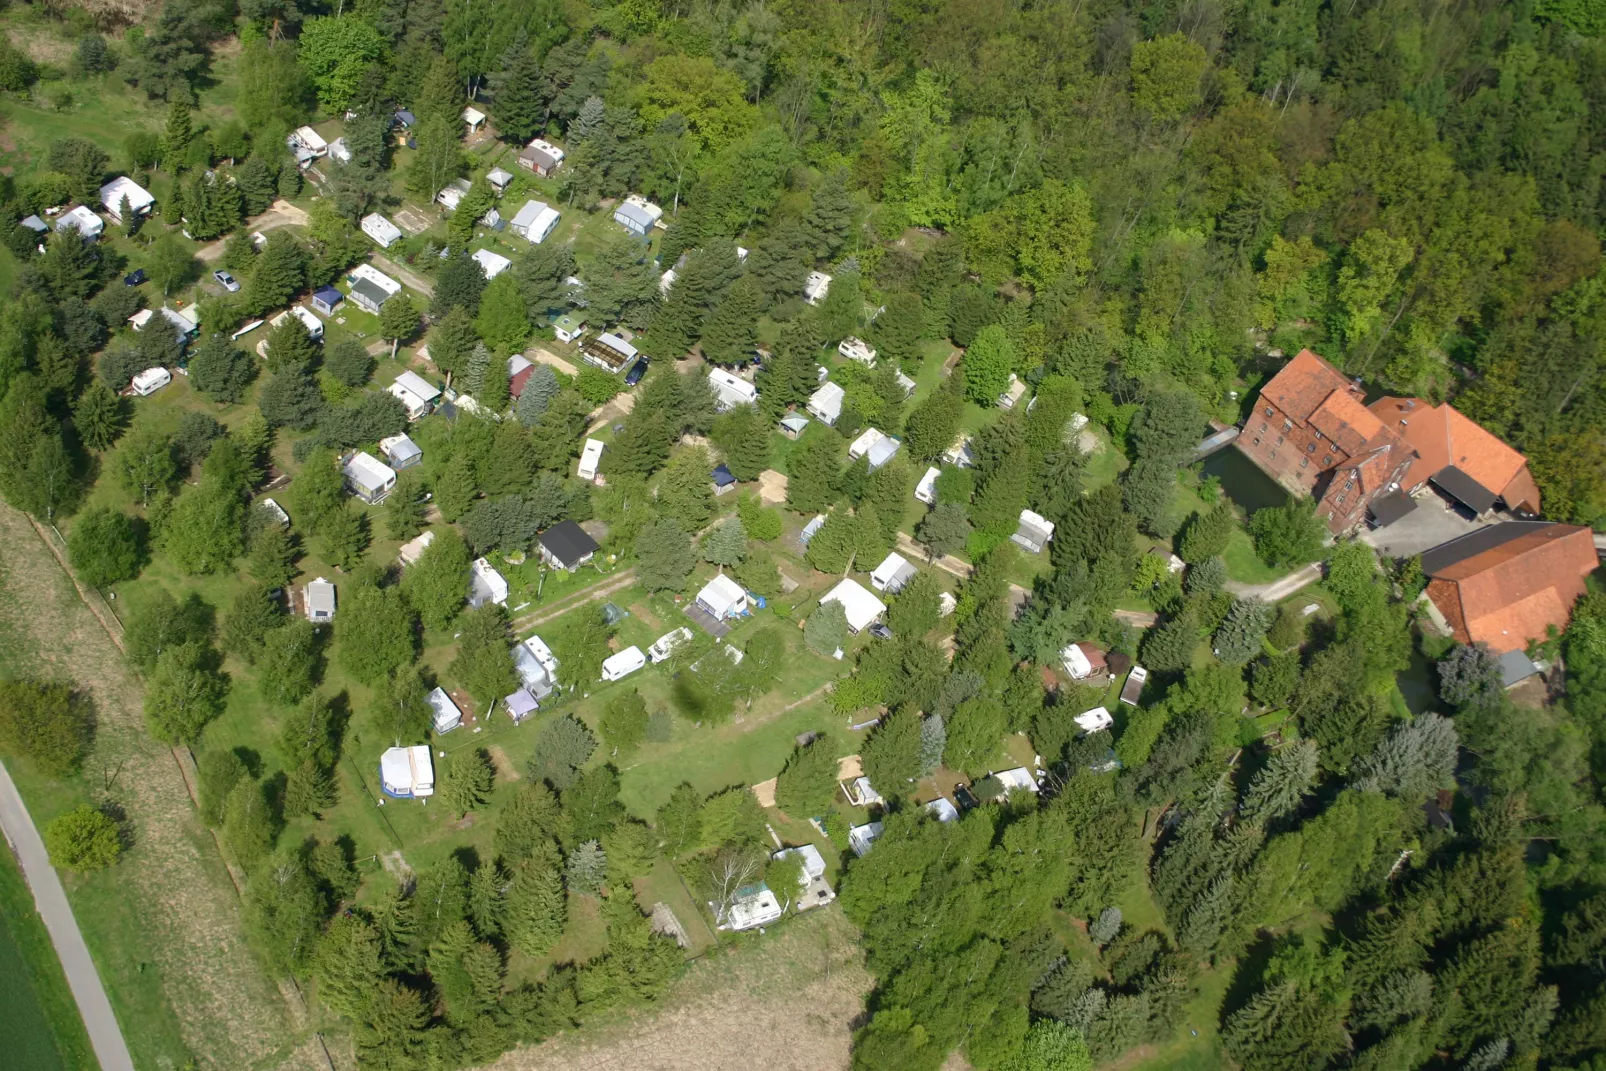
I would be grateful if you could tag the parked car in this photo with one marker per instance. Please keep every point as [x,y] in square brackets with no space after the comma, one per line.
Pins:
[880,631]
[226,280]
[637,370]
[963,797]
[135,277]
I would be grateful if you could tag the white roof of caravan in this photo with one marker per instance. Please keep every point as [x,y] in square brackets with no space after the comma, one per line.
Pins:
[1020,777]
[321,595]
[861,606]
[665,645]
[828,400]
[866,442]
[1091,721]
[721,593]
[81,220]
[892,566]
[416,384]
[311,138]
[629,659]
[492,264]
[112,194]
[152,376]
[817,284]
[813,861]
[535,216]
[400,447]
[945,811]
[591,454]
[368,471]
[377,277]
[928,482]
[732,390]
[413,550]
[375,224]
[543,654]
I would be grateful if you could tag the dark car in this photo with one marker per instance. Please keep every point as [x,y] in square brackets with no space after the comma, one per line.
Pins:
[637,370]
[963,798]
[880,631]
[135,277]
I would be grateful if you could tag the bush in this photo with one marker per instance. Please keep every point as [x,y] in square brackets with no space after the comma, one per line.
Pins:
[45,722]
[597,386]
[83,839]
[1289,534]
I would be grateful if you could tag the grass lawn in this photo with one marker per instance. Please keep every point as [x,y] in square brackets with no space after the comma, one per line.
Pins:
[41,1028]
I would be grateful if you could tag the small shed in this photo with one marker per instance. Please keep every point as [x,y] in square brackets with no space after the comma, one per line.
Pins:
[407,772]
[792,425]
[566,546]
[863,609]
[150,381]
[328,300]
[892,574]
[861,793]
[626,662]
[723,597]
[485,585]
[499,180]
[474,118]
[319,598]
[926,489]
[445,714]
[568,327]
[401,451]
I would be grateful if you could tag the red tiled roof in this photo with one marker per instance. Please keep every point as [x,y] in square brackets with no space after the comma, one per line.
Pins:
[1444,437]
[1512,593]
[1342,418]
[1303,384]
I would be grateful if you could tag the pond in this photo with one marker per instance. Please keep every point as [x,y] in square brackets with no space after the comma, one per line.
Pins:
[1242,480]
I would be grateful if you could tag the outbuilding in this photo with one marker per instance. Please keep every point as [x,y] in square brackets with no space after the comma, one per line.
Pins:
[407,772]
[566,546]
[723,597]
[369,478]
[792,425]
[474,118]
[499,180]
[328,300]
[1033,533]
[626,662]
[568,327]
[444,713]
[724,479]
[862,608]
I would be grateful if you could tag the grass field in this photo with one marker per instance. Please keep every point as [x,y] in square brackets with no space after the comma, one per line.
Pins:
[41,1028]
[163,925]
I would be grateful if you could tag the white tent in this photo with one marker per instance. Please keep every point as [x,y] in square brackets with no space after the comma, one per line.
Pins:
[862,607]
[722,597]
[623,664]
[446,716]
[1019,778]
[407,772]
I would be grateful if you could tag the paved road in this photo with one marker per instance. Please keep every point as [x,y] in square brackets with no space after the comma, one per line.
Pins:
[96,1010]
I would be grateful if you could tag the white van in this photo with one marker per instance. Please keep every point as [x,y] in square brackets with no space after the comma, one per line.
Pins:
[621,665]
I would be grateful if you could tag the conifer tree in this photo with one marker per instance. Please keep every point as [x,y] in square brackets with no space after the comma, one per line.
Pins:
[452,339]
[730,332]
[535,912]
[830,217]
[521,98]
[539,389]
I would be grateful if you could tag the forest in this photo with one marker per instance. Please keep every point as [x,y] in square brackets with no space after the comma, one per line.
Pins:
[1139,211]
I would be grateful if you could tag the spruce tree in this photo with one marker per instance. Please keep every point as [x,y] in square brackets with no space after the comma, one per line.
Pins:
[472,378]
[521,100]
[726,545]
[535,913]
[830,217]
[176,134]
[730,332]
[452,339]
[539,389]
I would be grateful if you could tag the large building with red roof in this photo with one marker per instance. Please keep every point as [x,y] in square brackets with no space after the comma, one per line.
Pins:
[1506,585]
[1312,432]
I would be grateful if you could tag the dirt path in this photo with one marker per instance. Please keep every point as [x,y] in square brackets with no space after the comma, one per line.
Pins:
[281,214]
[615,581]
[785,1002]
[1281,588]
[547,357]
[406,275]
[178,893]
[90,996]
[947,563]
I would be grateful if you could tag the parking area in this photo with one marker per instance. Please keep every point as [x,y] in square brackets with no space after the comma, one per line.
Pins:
[1431,523]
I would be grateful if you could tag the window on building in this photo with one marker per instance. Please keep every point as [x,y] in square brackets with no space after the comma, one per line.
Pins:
[1279,440]
[1263,425]
[1269,411]
[1257,440]
[1287,424]
[1273,453]
[1310,448]
[1304,462]
[1328,460]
